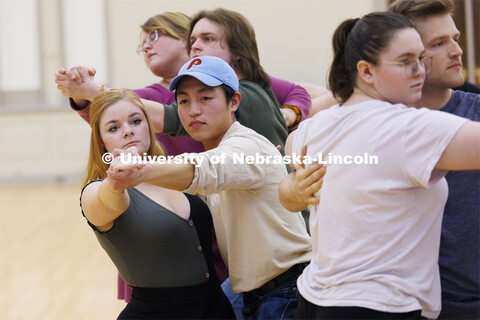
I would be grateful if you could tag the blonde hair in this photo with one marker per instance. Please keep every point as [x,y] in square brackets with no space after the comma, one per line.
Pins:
[173,24]
[96,168]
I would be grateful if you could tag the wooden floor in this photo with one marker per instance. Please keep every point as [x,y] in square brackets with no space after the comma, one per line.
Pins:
[51,265]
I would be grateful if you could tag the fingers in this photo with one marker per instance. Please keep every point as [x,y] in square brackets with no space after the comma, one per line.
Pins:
[312,201]
[60,75]
[123,164]
[124,178]
[79,73]
[303,153]
[298,166]
[310,184]
[133,150]
[309,175]
[117,152]
[76,74]
[309,181]
[312,189]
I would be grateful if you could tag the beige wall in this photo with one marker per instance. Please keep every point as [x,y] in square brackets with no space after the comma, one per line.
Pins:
[293,36]
[294,42]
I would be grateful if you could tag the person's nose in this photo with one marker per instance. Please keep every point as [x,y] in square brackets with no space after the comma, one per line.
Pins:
[455,49]
[128,131]
[196,46]
[146,47]
[195,109]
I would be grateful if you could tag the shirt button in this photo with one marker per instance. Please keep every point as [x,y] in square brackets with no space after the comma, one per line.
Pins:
[190,222]
[207,275]
[199,248]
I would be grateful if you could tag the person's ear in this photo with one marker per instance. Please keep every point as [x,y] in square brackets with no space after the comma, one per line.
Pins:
[366,71]
[235,103]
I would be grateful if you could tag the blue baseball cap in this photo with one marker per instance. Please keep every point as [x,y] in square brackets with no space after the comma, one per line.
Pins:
[212,71]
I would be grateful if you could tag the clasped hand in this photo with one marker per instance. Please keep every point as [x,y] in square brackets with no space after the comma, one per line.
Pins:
[122,175]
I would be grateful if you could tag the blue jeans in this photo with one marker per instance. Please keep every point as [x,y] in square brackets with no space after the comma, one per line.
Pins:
[280,303]
[236,300]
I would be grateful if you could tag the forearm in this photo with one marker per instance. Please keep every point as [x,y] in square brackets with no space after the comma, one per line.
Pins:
[463,151]
[172,124]
[156,112]
[175,176]
[82,110]
[287,197]
[114,200]
[298,97]
[288,93]
[102,205]
[322,102]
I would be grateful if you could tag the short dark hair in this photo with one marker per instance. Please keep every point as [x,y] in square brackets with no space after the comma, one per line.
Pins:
[360,39]
[422,8]
[229,92]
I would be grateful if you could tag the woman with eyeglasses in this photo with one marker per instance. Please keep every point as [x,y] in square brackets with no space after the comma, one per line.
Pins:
[376,221]
[163,35]
[163,48]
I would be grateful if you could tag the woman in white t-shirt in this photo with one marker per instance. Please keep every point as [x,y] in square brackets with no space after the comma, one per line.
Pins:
[376,230]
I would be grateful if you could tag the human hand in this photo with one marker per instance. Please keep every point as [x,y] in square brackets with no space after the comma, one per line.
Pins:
[308,181]
[123,172]
[77,82]
[289,115]
[78,73]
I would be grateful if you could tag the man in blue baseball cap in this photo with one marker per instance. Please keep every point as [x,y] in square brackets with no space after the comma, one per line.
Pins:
[205,114]
[264,246]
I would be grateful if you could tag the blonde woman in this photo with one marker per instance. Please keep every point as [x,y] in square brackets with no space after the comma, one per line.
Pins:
[159,239]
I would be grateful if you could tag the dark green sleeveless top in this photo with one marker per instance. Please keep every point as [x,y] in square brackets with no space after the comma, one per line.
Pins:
[152,247]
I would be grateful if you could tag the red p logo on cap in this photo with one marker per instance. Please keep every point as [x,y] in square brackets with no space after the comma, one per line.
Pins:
[196,61]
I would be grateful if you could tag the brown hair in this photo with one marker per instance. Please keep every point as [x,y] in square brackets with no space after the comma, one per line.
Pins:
[360,39]
[241,40]
[422,8]
[96,168]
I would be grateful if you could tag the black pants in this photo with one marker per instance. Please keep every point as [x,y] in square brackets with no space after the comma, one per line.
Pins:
[307,310]
[205,301]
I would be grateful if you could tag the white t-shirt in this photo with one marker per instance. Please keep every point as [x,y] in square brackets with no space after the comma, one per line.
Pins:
[376,232]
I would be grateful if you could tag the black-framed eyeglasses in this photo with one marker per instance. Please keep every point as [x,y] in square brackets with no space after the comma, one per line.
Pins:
[150,39]
[411,67]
